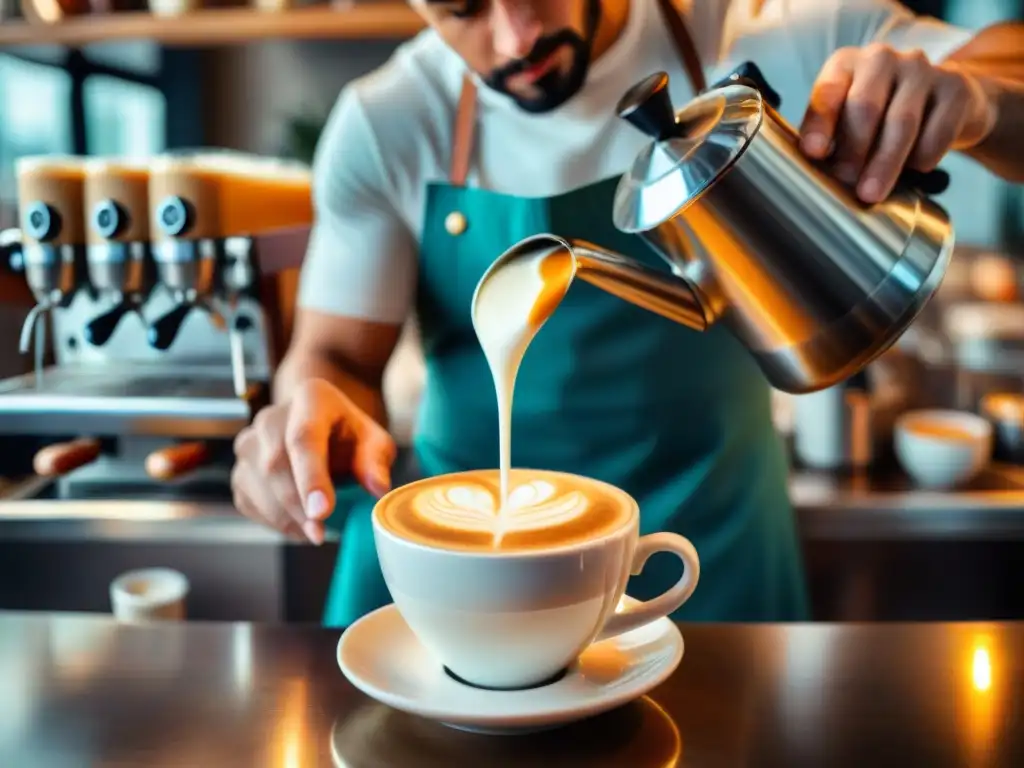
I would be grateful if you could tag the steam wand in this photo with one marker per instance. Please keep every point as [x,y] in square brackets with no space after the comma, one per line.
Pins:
[11,246]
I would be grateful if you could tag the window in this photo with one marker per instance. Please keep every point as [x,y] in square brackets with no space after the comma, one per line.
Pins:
[123,118]
[103,100]
[35,115]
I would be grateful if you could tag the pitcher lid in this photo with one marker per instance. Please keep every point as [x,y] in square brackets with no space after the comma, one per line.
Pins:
[691,147]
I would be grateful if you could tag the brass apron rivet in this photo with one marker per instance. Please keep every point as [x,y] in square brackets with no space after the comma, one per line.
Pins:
[455,223]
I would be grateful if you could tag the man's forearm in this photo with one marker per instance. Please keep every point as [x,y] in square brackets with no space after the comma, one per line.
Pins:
[996,58]
[1002,152]
[297,368]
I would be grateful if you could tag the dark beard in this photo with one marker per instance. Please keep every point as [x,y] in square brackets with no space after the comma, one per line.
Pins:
[555,87]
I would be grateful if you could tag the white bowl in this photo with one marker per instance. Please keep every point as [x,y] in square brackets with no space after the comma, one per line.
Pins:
[952,451]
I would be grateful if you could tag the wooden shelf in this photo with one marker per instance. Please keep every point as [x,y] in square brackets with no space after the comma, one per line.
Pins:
[378,20]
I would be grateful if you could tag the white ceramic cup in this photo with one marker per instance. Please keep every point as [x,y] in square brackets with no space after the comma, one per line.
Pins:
[515,620]
[940,462]
[151,594]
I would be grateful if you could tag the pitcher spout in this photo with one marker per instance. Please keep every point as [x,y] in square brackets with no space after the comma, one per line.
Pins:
[662,293]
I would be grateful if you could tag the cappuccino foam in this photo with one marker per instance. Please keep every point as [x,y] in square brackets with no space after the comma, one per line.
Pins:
[544,509]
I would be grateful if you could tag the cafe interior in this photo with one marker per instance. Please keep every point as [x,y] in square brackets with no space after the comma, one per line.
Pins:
[116,438]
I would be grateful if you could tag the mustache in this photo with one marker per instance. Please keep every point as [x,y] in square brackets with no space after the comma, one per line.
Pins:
[542,49]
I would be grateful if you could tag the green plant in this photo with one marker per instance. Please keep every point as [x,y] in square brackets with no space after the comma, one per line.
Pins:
[301,134]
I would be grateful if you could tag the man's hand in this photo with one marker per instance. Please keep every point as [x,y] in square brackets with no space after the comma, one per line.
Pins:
[875,110]
[286,459]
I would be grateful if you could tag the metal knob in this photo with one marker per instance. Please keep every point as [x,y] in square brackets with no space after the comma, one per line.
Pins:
[42,222]
[648,107]
[109,219]
[175,216]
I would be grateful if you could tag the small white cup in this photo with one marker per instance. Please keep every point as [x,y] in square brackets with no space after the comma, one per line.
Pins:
[937,461]
[152,594]
[172,7]
[515,620]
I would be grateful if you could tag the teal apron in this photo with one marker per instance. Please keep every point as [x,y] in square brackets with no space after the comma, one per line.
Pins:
[679,419]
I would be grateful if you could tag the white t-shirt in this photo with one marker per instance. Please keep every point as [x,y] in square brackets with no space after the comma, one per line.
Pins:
[389,135]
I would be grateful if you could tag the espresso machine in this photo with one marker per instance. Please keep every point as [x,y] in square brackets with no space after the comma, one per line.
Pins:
[167,315]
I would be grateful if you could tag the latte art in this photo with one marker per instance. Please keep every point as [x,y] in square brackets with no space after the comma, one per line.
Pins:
[544,509]
[531,506]
[509,509]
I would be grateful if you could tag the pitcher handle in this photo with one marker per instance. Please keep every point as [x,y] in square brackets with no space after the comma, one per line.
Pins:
[638,615]
[750,75]
[928,183]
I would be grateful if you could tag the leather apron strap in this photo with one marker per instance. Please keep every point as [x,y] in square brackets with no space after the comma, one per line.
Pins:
[685,46]
[464,134]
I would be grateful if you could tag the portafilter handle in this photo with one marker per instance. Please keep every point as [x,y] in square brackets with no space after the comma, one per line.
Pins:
[164,330]
[100,329]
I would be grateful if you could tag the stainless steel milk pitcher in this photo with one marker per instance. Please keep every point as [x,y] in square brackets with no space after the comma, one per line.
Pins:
[814,283]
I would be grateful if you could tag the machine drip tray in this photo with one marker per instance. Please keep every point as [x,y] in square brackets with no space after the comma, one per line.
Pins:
[132,399]
[196,492]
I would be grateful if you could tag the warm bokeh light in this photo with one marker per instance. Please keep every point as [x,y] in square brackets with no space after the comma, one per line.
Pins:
[982,706]
[981,670]
[674,743]
[48,11]
[292,731]
[242,660]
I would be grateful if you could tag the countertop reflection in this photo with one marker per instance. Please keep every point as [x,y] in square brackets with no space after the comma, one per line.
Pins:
[85,691]
[885,504]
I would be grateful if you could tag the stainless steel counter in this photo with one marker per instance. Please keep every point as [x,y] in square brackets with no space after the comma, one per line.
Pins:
[86,691]
[119,520]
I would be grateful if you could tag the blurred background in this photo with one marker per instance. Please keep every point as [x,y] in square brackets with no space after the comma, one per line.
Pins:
[271,96]
[248,91]
[131,79]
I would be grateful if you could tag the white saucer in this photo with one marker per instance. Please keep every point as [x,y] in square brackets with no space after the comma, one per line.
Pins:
[381,657]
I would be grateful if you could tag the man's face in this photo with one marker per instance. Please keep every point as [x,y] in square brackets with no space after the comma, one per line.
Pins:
[535,51]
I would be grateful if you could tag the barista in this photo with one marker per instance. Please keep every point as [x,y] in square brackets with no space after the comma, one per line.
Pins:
[423,176]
